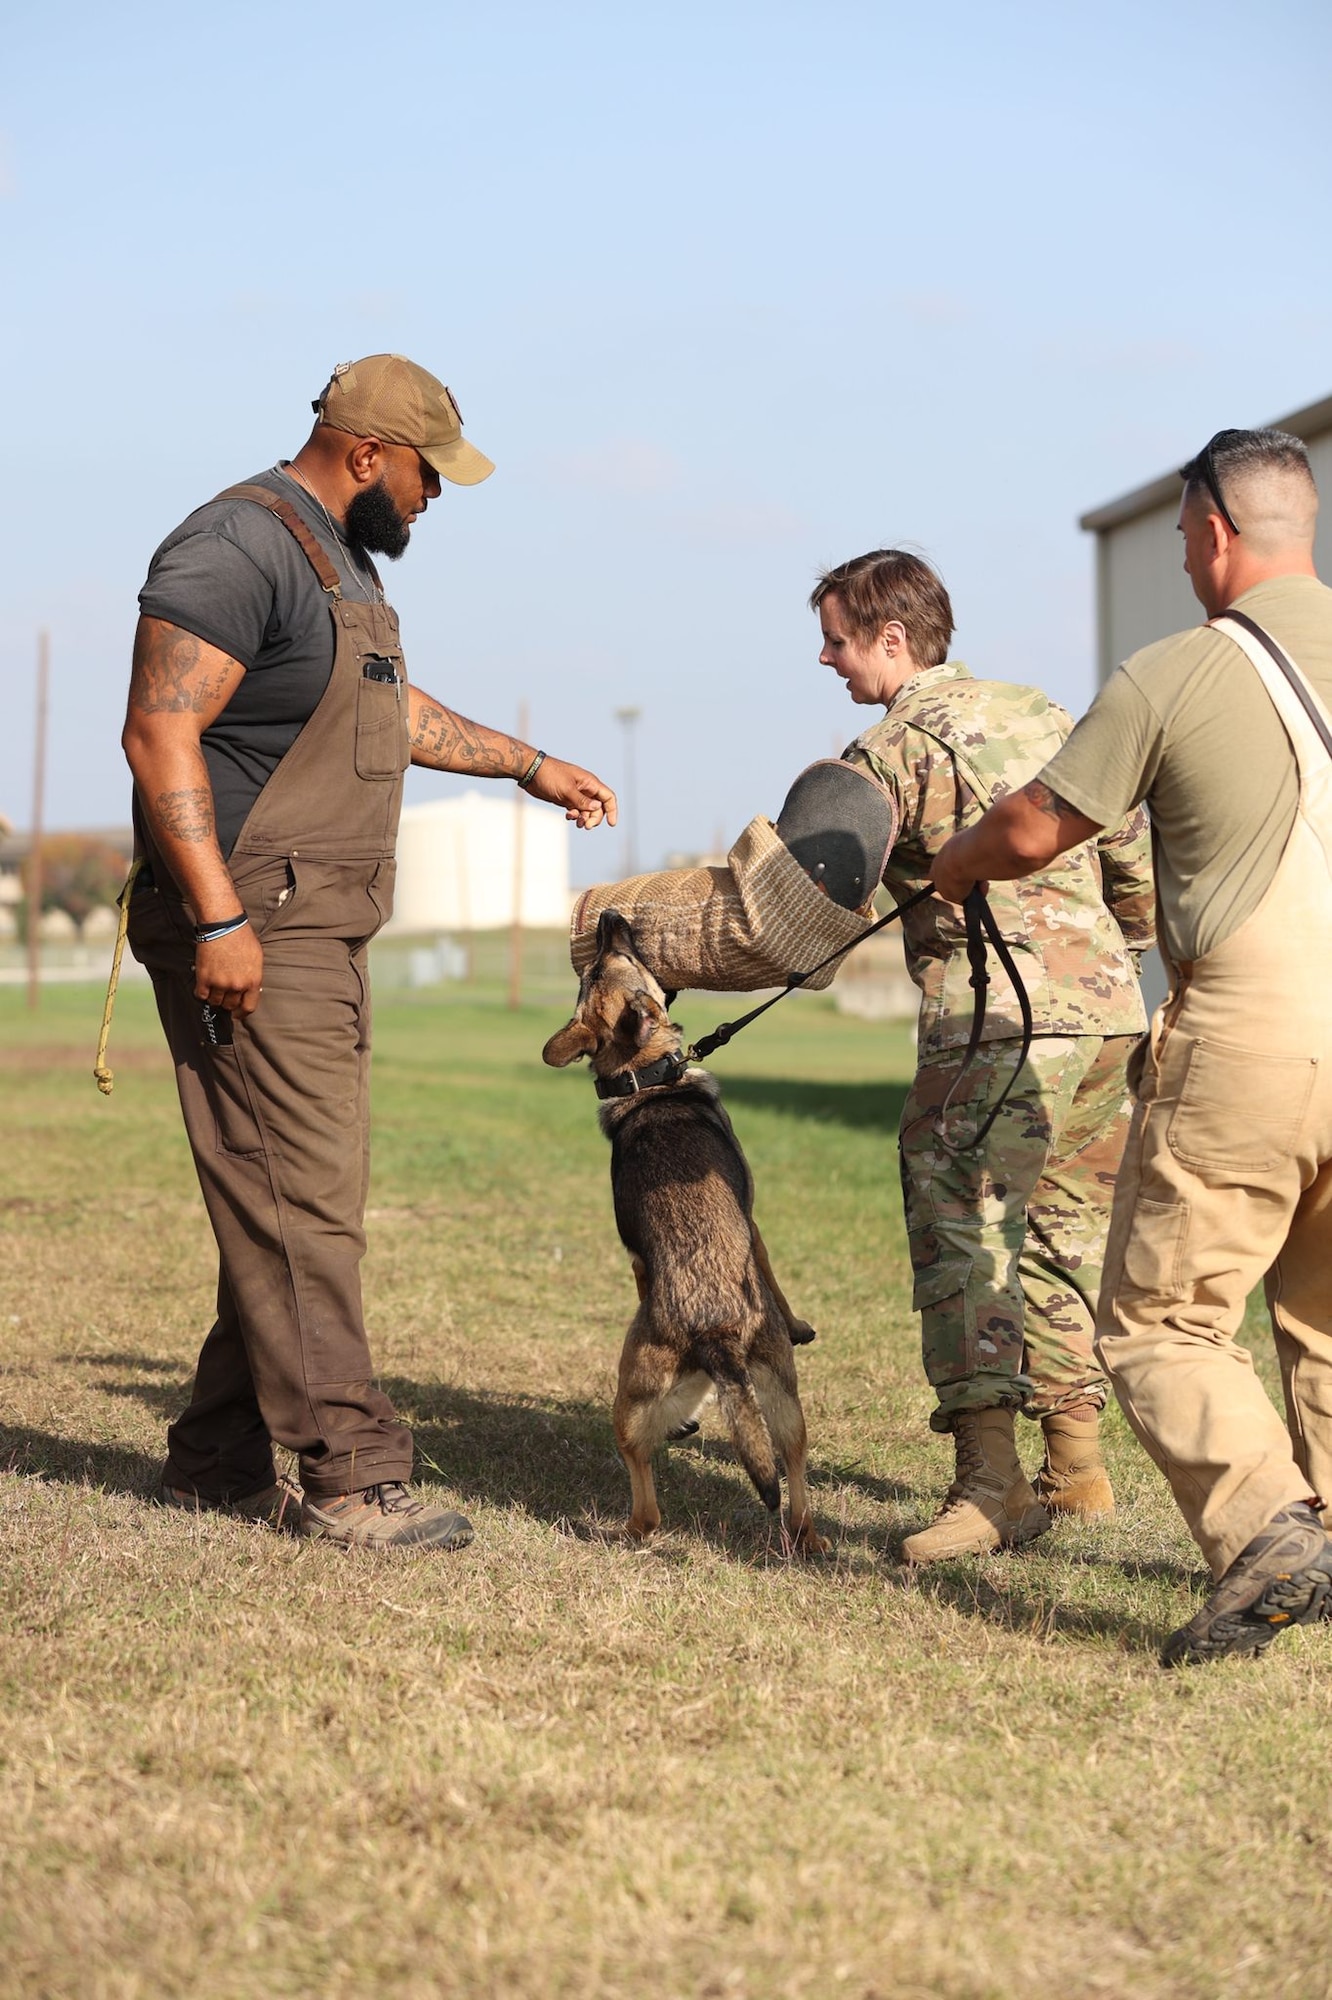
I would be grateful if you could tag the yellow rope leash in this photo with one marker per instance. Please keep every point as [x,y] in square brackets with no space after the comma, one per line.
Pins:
[105,1077]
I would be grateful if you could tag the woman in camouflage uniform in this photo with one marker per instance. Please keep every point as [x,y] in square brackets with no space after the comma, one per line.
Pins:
[1006,1238]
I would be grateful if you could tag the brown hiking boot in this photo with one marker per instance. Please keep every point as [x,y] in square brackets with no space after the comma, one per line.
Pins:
[989,1504]
[1282,1577]
[1073,1479]
[386,1516]
[276,1506]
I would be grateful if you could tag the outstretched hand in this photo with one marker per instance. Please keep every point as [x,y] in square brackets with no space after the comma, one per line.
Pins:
[586,800]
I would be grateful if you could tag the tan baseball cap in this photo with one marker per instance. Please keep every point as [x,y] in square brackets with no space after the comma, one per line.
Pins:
[386,396]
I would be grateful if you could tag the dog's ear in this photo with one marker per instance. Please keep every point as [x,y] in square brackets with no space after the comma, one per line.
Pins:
[639,1021]
[574,1040]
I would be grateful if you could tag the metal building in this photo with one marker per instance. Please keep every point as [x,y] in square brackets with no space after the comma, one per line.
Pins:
[1142,592]
[477,861]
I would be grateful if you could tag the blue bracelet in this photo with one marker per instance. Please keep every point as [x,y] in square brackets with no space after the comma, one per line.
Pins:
[209,933]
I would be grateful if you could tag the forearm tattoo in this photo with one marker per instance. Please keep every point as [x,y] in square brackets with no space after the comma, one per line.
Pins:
[1048,802]
[187,815]
[171,673]
[452,743]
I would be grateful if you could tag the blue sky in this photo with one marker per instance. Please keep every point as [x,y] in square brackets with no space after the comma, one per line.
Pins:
[727,292]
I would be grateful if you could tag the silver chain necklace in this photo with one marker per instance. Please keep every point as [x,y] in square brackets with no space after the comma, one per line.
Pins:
[373,593]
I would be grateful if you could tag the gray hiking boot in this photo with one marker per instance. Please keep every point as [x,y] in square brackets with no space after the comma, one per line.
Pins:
[386,1516]
[276,1506]
[1283,1577]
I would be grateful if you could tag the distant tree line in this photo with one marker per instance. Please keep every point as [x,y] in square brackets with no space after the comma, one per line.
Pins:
[79,874]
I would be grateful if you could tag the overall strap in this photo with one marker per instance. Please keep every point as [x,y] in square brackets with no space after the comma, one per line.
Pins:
[1312,707]
[307,542]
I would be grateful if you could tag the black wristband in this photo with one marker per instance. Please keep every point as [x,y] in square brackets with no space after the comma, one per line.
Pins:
[209,933]
[531,770]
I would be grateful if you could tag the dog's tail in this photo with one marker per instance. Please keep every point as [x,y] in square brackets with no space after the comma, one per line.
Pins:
[722,1361]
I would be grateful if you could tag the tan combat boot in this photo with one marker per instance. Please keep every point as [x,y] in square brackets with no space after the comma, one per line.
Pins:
[989,1504]
[1073,1479]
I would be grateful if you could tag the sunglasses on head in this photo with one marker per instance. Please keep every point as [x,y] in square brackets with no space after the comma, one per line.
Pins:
[1204,467]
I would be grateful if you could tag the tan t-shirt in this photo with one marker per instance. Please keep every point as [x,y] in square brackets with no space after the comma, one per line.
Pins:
[1188,726]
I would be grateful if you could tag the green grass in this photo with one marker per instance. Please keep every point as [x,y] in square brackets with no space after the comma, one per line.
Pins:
[235,1765]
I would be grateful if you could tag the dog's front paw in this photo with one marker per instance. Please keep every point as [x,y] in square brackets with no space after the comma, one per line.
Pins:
[801,1333]
[687,1427]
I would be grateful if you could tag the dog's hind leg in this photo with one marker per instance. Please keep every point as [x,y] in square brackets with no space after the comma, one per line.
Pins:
[779,1400]
[651,1400]
[719,1353]
[800,1330]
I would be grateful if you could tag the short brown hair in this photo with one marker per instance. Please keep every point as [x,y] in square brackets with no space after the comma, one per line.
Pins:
[888,584]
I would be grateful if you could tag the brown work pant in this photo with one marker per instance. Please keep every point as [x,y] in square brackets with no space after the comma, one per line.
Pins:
[279,1126]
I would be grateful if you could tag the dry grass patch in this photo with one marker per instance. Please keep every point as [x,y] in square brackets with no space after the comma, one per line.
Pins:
[556,1765]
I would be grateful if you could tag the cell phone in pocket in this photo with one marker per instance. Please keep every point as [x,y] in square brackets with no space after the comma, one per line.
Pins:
[218,1026]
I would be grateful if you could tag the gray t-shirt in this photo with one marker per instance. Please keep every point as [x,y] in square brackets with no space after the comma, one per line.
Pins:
[1188,726]
[232,575]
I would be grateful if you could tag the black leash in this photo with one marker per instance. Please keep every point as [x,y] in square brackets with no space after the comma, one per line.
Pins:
[980,925]
[727,1030]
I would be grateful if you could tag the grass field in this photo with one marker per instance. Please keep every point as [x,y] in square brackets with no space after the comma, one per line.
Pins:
[234,1765]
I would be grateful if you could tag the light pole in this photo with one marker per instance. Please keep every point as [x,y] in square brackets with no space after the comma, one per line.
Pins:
[627,717]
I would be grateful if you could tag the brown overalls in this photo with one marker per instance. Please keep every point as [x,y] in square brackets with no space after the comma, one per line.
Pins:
[278,1119]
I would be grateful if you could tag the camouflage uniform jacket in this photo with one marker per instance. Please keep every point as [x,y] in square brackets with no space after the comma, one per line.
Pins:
[947,747]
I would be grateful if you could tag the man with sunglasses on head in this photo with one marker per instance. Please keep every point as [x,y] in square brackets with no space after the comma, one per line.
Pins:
[270,722]
[1224,731]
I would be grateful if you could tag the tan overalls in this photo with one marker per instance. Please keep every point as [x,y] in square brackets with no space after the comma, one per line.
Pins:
[278,1119]
[1226,1180]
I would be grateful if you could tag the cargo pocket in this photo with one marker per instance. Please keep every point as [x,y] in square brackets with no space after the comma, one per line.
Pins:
[1154,1249]
[265,889]
[946,1279]
[382,750]
[1239,1108]
[228,1090]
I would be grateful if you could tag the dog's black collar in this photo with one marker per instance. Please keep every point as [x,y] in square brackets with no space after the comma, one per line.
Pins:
[667,1069]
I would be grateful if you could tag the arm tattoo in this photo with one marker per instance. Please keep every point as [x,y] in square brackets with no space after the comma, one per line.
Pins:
[1047,801]
[452,743]
[170,672]
[187,815]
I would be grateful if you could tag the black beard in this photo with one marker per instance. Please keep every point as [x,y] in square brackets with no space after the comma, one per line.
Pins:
[374,523]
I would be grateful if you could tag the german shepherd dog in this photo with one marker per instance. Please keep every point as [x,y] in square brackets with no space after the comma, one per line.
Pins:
[711,1316]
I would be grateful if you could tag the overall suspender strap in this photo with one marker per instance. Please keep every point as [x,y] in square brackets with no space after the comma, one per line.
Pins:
[283,511]
[1288,668]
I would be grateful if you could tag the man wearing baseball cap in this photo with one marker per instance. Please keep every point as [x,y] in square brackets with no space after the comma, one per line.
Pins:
[270,722]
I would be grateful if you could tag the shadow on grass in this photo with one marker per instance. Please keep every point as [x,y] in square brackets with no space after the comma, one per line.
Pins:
[866,1106]
[556,1458]
[151,1364]
[79,1461]
[1025,1609]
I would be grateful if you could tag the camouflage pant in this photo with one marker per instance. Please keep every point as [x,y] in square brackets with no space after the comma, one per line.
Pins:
[1007,1243]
